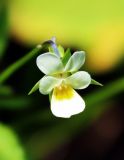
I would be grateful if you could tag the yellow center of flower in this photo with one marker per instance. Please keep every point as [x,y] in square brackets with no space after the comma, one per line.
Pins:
[63,92]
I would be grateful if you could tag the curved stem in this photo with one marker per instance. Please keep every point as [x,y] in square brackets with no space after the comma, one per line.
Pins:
[19,63]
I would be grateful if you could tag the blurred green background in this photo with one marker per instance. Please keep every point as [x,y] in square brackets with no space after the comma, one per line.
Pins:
[28,130]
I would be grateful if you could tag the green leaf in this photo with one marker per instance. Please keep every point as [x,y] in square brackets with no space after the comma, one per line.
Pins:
[95,82]
[47,83]
[36,86]
[49,64]
[75,62]
[79,80]
[11,148]
[61,50]
[15,102]
[66,57]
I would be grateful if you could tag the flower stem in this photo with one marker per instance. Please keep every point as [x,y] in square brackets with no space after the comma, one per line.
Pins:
[19,63]
[52,44]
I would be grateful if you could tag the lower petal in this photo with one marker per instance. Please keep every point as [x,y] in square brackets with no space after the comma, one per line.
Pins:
[66,102]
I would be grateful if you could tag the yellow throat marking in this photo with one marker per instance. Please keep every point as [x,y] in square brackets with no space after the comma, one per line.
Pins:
[63,92]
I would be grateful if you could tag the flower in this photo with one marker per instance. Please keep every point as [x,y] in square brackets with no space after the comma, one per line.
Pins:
[62,78]
[61,81]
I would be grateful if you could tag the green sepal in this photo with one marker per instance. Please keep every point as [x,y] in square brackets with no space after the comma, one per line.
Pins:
[61,51]
[95,82]
[50,96]
[51,49]
[36,87]
[66,57]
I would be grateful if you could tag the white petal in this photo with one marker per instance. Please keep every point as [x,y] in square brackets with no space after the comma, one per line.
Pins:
[47,83]
[75,62]
[49,63]
[66,102]
[79,80]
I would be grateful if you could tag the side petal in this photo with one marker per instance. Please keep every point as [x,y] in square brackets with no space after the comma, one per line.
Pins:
[79,80]
[49,63]
[75,62]
[47,83]
[65,105]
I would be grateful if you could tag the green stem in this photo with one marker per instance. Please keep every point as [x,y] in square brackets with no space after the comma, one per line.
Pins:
[19,63]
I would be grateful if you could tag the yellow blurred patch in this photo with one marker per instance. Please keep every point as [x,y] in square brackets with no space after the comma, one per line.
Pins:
[96,27]
[107,48]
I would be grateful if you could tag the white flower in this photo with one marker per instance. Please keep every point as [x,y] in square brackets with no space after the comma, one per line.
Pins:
[61,79]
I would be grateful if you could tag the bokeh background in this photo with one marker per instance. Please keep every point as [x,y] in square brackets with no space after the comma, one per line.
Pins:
[28,130]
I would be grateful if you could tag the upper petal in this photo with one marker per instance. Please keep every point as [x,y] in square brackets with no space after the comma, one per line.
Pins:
[65,105]
[79,80]
[47,83]
[75,62]
[49,63]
